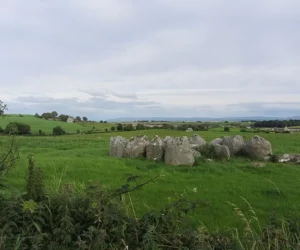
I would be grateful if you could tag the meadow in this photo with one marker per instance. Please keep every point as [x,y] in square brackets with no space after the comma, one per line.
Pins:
[83,160]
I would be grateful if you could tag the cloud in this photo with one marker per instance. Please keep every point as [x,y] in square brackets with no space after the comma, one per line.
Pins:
[170,58]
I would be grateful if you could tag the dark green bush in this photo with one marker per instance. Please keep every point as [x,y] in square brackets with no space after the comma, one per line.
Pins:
[227,129]
[58,130]
[17,128]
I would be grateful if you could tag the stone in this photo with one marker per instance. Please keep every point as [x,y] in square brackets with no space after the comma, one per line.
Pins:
[258,164]
[196,154]
[259,148]
[155,149]
[136,147]
[117,146]
[234,143]
[221,151]
[197,142]
[216,141]
[178,151]
[293,158]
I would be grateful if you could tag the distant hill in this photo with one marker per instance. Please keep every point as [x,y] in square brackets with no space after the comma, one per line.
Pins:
[194,119]
[47,125]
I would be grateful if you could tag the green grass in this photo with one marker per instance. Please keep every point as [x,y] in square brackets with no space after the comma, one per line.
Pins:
[84,159]
[47,125]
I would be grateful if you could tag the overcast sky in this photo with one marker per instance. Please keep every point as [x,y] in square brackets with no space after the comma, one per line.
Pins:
[123,58]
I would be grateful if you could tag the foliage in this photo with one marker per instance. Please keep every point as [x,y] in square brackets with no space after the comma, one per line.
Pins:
[85,119]
[119,127]
[78,119]
[54,114]
[63,117]
[8,157]
[58,130]
[227,129]
[194,127]
[17,128]
[35,182]
[276,123]
[3,107]
[141,126]
[128,127]
[113,128]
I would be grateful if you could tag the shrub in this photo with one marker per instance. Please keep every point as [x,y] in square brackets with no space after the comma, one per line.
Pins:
[17,128]
[1,130]
[227,129]
[140,126]
[128,127]
[113,128]
[58,130]
[243,130]
[120,127]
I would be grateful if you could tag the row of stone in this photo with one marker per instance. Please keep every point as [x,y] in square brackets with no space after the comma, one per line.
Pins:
[184,150]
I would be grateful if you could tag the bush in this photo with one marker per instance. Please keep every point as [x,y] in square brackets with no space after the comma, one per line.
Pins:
[58,130]
[227,129]
[1,130]
[18,128]
[243,130]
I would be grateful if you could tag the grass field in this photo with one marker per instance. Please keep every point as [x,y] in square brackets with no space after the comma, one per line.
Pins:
[47,125]
[83,159]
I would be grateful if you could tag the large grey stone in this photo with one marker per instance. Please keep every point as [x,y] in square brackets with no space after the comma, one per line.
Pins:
[155,149]
[196,154]
[178,151]
[216,141]
[292,158]
[117,146]
[221,151]
[197,142]
[136,147]
[234,143]
[258,148]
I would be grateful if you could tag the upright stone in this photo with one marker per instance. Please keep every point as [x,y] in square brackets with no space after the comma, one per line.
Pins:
[221,151]
[136,147]
[178,151]
[117,146]
[155,149]
[216,141]
[197,142]
[234,143]
[258,148]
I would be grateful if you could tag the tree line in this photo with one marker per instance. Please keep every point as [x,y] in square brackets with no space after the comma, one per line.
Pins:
[62,117]
[276,123]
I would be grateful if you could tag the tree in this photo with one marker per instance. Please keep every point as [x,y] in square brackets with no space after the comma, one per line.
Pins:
[226,129]
[3,107]
[58,130]
[120,127]
[46,115]
[54,114]
[63,118]
[37,115]
[77,119]
[17,128]
[128,127]
[113,128]
[140,126]
[85,119]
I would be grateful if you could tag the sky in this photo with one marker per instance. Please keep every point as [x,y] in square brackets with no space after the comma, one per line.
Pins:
[161,58]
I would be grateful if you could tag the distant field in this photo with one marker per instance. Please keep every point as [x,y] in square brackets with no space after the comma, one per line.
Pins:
[83,159]
[47,125]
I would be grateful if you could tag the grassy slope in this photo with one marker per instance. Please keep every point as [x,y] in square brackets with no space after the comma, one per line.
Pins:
[47,126]
[274,188]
